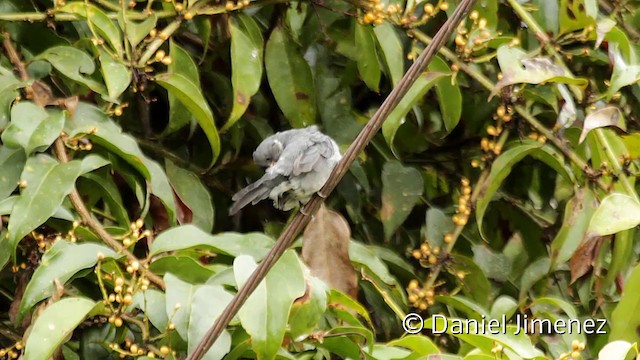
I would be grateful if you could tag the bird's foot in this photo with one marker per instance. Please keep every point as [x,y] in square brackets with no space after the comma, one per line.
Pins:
[323,196]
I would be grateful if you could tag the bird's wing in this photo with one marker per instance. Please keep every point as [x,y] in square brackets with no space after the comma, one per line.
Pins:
[304,154]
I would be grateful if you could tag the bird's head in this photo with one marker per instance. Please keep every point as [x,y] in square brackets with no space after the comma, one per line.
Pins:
[268,152]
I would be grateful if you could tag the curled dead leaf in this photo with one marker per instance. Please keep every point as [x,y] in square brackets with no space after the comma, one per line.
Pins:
[325,250]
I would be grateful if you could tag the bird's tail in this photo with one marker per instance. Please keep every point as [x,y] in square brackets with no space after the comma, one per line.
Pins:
[255,192]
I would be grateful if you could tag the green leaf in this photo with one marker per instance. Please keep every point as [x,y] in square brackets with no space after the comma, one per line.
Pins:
[54,325]
[625,71]
[368,65]
[152,303]
[290,79]
[136,32]
[401,188]
[517,68]
[577,214]
[193,194]
[74,64]
[193,309]
[307,311]
[9,83]
[254,244]
[416,93]
[366,255]
[208,303]
[60,263]
[246,63]
[183,64]
[184,267]
[190,95]
[116,76]
[418,344]
[103,184]
[449,96]
[500,169]
[537,270]
[574,15]
[88,119]
[264,315]
[494,264]
[438,224]
[47,184]
[520,343]
[32,128]
[104,26]
[11,164]
[625,318]
[617,212]
[391,47]
[161,188]
[615,350]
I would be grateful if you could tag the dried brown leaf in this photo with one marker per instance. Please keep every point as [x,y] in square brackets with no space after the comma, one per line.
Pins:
[325,250]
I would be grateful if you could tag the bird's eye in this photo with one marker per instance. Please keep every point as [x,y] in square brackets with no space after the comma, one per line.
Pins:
[267,159]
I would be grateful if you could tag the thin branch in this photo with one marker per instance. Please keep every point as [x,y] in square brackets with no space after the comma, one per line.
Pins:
[96,226]
[303,217]
[41,16]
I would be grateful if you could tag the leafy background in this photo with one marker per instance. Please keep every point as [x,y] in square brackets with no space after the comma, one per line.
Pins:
[502,184]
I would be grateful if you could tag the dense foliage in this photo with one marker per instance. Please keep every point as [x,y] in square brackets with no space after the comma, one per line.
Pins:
[502,185]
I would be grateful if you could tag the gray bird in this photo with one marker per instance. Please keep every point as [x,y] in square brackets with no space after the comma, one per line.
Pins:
[298,163]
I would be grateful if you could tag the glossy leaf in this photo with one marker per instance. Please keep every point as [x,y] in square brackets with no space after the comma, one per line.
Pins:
[116,76]
[391,47]
[246,63]
[137,31]
[608,116]
[518,68]
[152,303]
[500,169]
[60,263]
[367,59]
[401,188]
[265,313]
[47,184]
[449,96]
[11,164]
[179,115]
[193,194]
[208,302]
[75,64]
[617,212]
[625,71]
[54,325]
[419,345]
[32,128]
[577,214]
[615,350]
[624,319]
[190,95]
[104,26]
[234,244]
[307,311]
[161,188]
[576,14]
[520,343]
[290,79]
[416,93]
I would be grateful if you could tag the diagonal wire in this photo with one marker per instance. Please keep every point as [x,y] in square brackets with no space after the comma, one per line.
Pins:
[302,218]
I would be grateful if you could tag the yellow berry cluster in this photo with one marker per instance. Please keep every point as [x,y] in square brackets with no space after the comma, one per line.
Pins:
[132,349]
[497,349]
[376,12]
[230,5]
[575,353]
[464,204]
[537,137]
[420,298]
[12,352]
[134,234]
[426,254]
[475,38]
